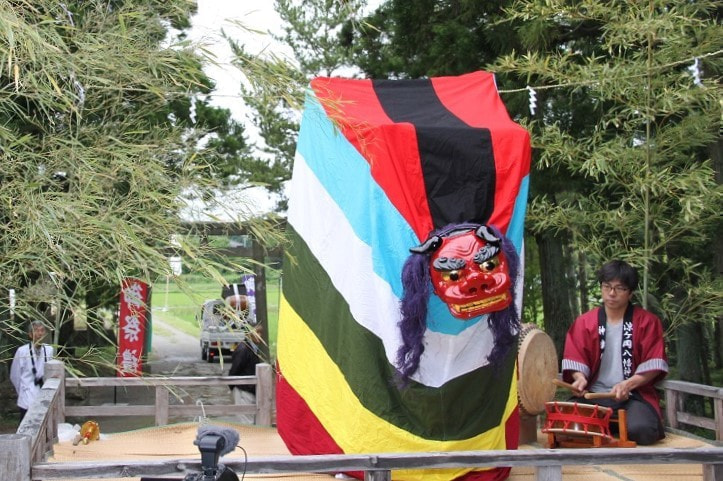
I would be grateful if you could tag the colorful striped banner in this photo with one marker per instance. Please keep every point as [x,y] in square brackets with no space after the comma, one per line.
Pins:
[379,165]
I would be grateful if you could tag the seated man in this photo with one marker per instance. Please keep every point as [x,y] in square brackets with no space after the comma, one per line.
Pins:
[243,363]
[618,348]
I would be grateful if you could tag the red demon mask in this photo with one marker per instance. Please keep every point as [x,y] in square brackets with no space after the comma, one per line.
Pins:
[469,272]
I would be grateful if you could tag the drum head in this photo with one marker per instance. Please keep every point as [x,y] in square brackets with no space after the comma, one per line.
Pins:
[537,364]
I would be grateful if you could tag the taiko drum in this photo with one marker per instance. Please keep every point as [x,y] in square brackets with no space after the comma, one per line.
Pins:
[577,419]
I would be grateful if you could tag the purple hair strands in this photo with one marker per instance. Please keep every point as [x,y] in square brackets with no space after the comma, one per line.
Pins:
[417,286]
[505,323]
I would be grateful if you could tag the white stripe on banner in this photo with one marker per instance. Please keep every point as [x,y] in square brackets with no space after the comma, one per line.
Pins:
[345,175]
[349,263]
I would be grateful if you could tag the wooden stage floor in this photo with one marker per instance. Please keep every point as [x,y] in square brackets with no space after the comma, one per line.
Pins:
[176,441]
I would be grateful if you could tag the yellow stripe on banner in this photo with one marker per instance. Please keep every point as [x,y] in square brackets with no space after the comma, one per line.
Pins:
[318,380]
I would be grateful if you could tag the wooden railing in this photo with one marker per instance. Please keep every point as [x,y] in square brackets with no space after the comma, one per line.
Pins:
[162,409]
[21,454]
[547,463]
[675,410]
[38,431]
[40,423]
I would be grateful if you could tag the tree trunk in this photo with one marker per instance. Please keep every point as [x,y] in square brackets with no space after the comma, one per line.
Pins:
[532,297]
[688,359]
[716,154]
[5,328]
[555,289]
[582,281]
[688,362]
[571,276]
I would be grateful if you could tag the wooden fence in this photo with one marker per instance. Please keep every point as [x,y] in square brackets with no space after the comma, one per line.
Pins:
[162,409]
[22,454]
[676,415]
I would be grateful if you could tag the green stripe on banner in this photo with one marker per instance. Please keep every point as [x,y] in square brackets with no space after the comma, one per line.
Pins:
[462,408]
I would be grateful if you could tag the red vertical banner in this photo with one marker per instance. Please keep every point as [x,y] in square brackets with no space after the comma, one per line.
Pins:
[131,326]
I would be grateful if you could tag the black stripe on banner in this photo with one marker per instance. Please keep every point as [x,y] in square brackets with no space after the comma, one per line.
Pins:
[457,160]
[464,407]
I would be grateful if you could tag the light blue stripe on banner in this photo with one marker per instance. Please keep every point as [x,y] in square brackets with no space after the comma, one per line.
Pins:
[515,231]
[346,176]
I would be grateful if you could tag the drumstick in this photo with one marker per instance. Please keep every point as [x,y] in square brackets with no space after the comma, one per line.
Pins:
[559,383]
[599,395]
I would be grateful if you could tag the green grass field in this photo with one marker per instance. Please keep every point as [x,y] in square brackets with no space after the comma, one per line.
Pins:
[182,309]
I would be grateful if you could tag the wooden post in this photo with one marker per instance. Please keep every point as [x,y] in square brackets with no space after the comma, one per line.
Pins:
[262,316]
[671,407]
[718,416]
[161,405]
[548,473]
[528,428]
[713,472]
[56,369]
[15,460]
[383,475]
[264,394]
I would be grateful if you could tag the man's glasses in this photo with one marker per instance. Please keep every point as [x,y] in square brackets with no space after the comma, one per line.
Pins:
[618,289]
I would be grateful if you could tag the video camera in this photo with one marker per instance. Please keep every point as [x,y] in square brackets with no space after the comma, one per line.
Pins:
[213,442]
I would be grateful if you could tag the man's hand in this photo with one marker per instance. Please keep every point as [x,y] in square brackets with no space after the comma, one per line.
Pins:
[622,390]
[579,384]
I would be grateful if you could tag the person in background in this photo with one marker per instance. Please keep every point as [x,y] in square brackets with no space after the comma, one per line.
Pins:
[28,367]
[618,348]
[243,363]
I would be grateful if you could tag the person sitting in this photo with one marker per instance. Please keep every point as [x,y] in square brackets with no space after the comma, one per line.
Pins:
[243,363]
[28,367]
[619,348]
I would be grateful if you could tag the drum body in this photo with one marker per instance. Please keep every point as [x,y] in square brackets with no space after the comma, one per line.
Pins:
[577,419]
[537,366]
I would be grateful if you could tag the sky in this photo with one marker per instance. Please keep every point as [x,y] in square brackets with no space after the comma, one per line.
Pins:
[217,16]
[214,17]
[257,19]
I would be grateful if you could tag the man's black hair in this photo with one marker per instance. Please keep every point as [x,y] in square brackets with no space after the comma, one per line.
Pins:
[621,271]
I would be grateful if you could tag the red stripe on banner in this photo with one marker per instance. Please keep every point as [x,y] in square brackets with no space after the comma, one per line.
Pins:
[512,436]
[474,99]
[494,474]
[512,429]
[298,426]
[303,434]
[390,148]
[132,327]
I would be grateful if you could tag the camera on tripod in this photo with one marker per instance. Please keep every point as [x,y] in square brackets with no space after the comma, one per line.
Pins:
[213,442]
